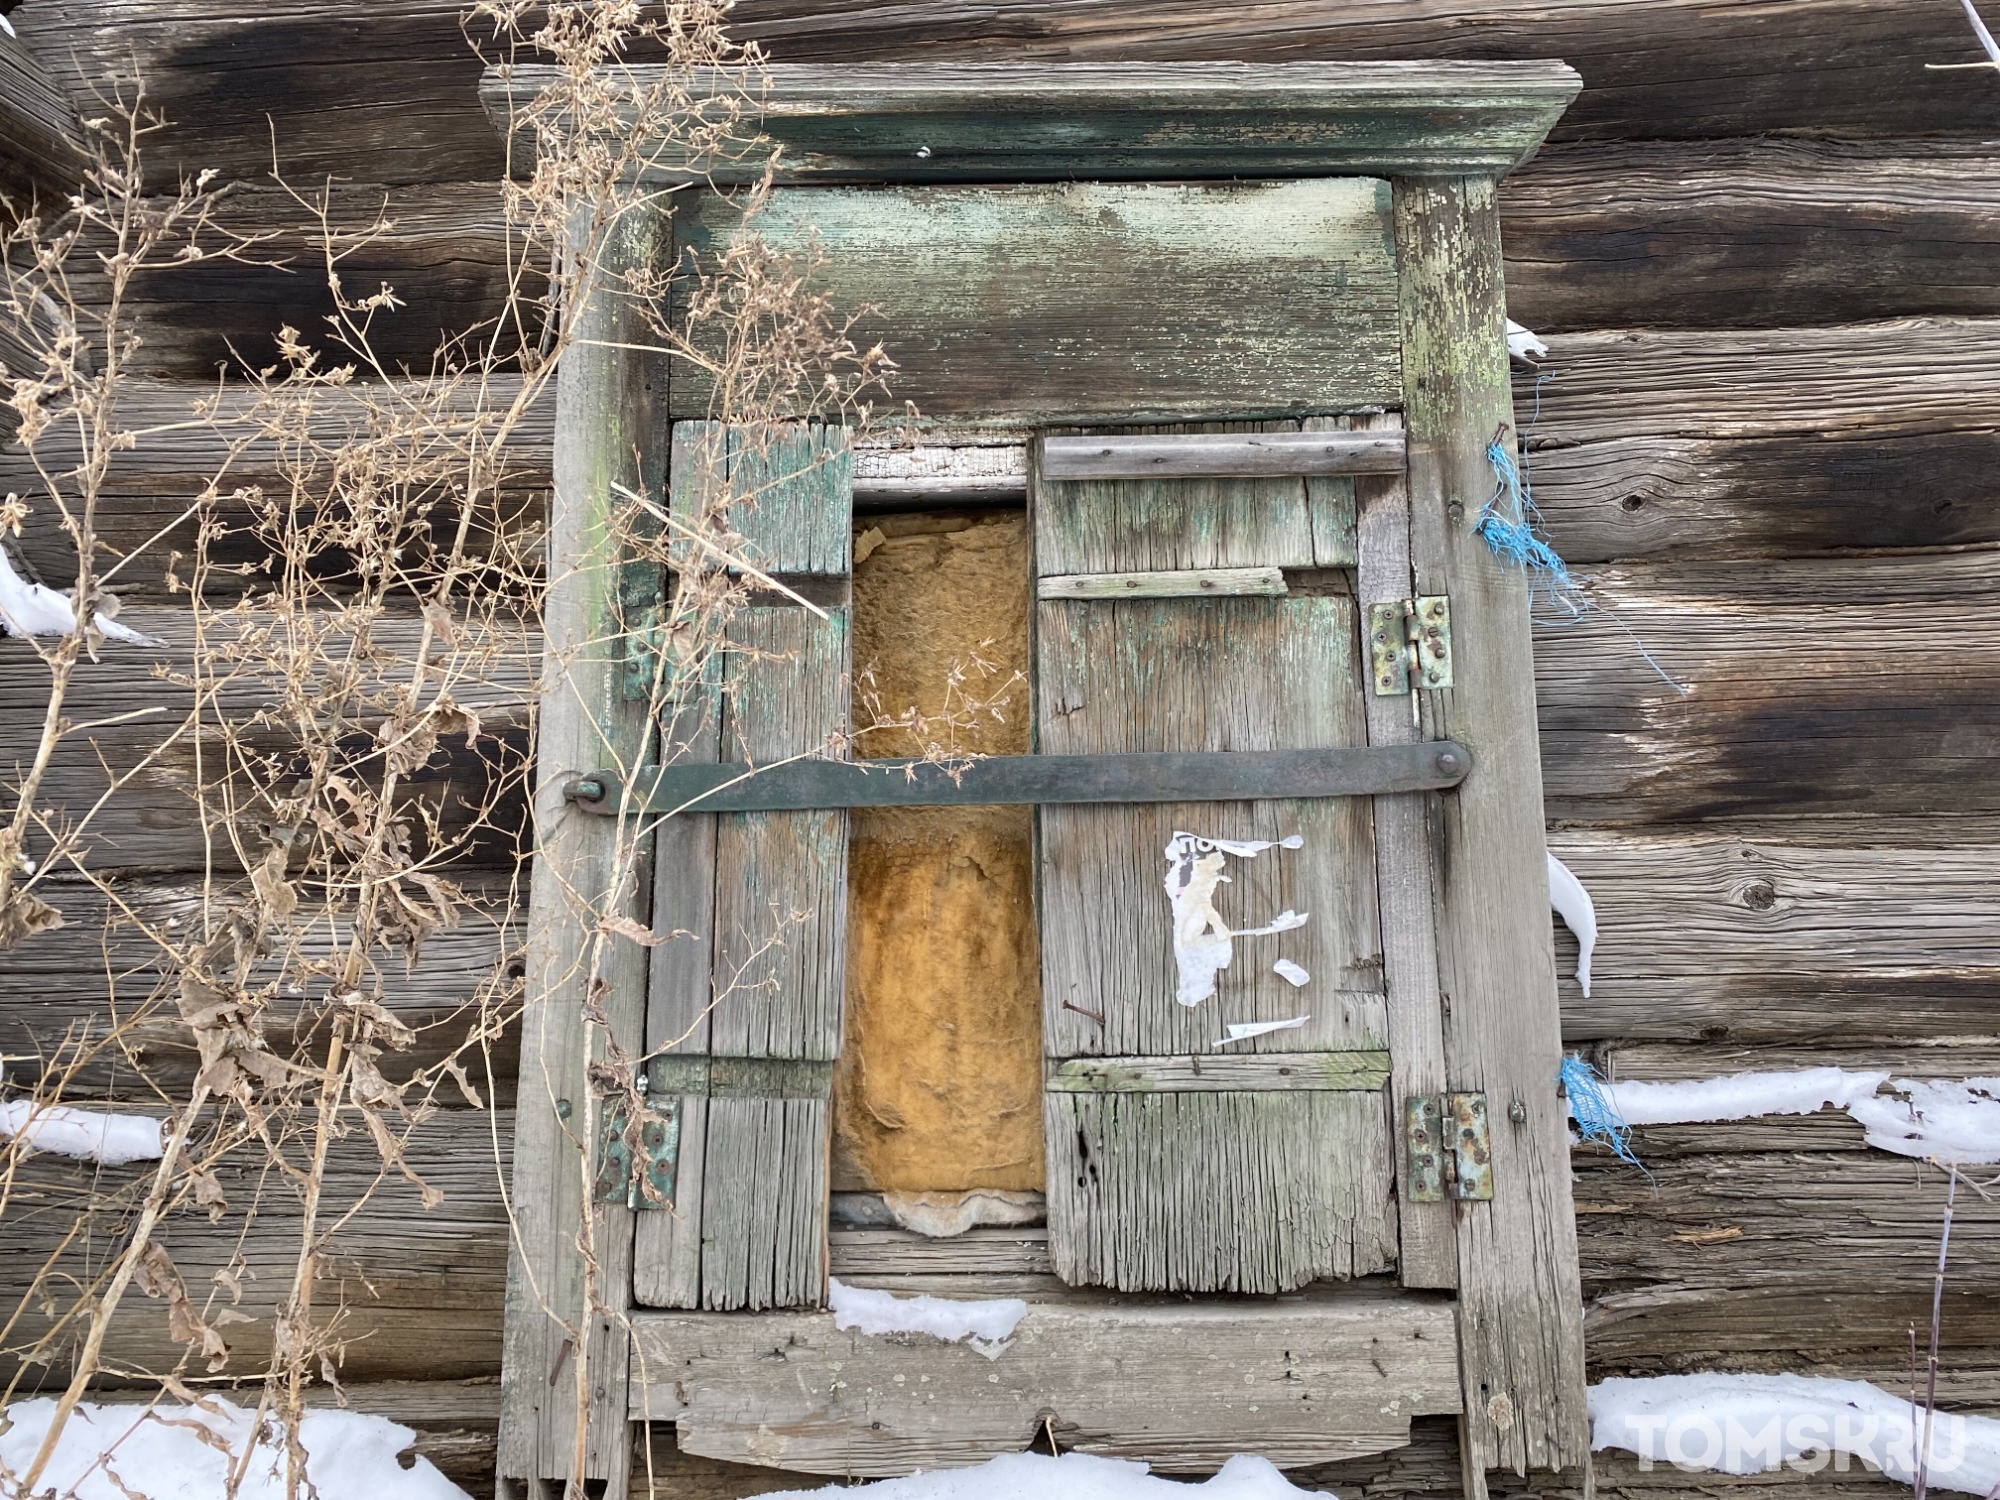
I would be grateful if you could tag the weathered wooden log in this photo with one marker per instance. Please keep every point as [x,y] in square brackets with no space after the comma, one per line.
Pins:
[1794,931]
[135,730]
[84,1007]
[349,83]
[43,148]
[1853,686]
[1740,234]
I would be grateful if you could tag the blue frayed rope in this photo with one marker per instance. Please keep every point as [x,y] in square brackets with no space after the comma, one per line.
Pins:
[1596,1116]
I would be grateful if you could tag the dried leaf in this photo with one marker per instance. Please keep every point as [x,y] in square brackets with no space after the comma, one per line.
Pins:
[623,926]
[24,915]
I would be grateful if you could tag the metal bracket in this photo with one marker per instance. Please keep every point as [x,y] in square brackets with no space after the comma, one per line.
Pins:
[1407,636]
[1469,1165]
[659,1147]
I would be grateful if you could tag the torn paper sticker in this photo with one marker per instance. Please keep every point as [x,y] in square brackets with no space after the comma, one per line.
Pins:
[1242,1031]
[1201,938]
[1290,972]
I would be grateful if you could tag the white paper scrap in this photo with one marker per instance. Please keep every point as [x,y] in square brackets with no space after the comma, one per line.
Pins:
[1242,1031]
[1202,947]
[1290,972]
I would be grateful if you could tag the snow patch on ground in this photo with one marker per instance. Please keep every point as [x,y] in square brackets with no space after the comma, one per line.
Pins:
[185,1453]
[111,1139]
[1073,1476]
[1751,1424]
[1947,1121]
[985,1326]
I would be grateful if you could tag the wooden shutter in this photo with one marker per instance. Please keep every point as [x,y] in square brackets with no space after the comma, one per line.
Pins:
[1175,1165]
[744,1015]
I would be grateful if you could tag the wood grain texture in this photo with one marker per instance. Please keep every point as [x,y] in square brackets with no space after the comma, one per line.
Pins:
[1222,1073]
[1787,932]
[347,83]
[1222,455]
[43,146]
[1183,1192]
[1043,302]
[1520,1329]
[1749,234]
[783,492]
[1185,584]
[1855,686]
[134,725]
[1301,1380]
[88,1004]
[566,1347]
[939,121]
[1121,525]
[1428,1254]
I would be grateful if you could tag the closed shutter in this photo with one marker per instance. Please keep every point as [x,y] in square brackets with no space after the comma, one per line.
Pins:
[1178,1162]
[744,1011]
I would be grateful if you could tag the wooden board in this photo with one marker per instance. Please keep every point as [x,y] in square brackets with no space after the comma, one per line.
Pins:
[569,1277]
[1044,302]
[1117,526]
[1301,1380]
[43,148]
[1748,234]
[1520,1315]
[1789,932]
[1856,686]
[992,122]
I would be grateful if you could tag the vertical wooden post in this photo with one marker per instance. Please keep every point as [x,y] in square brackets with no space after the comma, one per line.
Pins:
[1520,1309]
[566,1339]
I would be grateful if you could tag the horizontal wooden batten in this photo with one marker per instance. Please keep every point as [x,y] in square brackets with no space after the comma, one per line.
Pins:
[1189,584]
[1220,455]
[1302,1379]
[987,122]
[1013,780]
[1221,1074]
[1041,303]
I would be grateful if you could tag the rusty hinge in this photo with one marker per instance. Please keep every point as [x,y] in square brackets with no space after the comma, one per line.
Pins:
[1460,1162]
[650,1181]
[1409,640]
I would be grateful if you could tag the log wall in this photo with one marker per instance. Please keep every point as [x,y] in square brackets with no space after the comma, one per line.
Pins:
[1764,247]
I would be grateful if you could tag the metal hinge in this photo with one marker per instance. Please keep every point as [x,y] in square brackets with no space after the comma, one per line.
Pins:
[1461,1163]
[656,1143]
[1409,639]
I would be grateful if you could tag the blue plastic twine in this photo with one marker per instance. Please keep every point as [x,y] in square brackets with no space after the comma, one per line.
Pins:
[1597,1118]
[1511,523]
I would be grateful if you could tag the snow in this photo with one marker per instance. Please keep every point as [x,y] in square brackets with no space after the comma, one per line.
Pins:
[1943,1120]
[111,1139]
[1579,913]
[178,1453]
[985,1326]
[1073,1476]
[1750,1424]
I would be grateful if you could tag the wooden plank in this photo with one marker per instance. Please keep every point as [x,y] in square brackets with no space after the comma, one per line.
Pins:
[1852,684]
[879,1256]
[569,1277]
[783,489]
[954,122]
[1850,933]
[89,1006]
[1117,526]
[1215,455]
[1221,1073]
[780,929]
[967,467]
[1304,1380]
[1043,302]
[1428,1255]
[1520,1323]
[1186,584]
[1766,232]
[1047,780]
